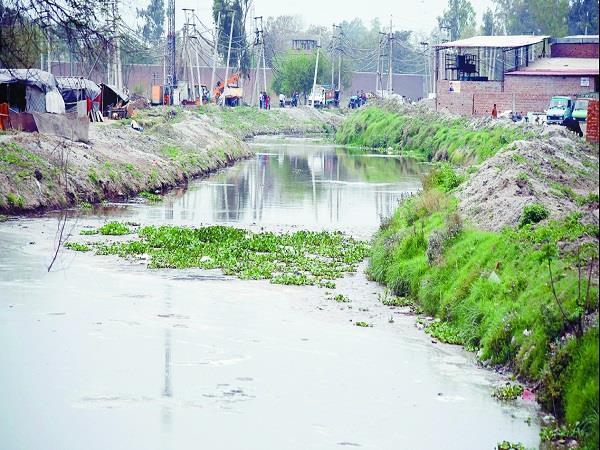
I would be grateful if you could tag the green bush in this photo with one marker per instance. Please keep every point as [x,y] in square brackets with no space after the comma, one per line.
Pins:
[533,214]
[492,292]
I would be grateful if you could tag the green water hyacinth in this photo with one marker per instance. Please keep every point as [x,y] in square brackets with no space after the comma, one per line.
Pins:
[298,258]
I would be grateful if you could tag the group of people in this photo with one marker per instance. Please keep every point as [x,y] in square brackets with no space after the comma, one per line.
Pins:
[356,101]
[264,100]
[293,100]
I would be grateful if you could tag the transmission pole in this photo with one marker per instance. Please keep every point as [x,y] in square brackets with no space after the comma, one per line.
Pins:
[316,69]
[170,48]
[390,67]
[332,56]
[216,41]
[261,36]
[258,61]
[339,53]
[228,56]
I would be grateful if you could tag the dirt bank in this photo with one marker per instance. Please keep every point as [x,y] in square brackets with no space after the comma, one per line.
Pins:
[558,171]
[41,171]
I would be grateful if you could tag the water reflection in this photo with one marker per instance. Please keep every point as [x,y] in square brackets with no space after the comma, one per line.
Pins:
[299,184]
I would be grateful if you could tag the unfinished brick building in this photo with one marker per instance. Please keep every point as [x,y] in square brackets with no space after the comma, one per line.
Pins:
[517,73]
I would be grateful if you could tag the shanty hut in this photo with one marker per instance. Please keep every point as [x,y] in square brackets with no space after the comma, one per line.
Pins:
[79,89]
[113,99]
[30,90]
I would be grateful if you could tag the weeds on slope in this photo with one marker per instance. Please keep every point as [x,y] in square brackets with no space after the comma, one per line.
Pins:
[425,137]
[525,297]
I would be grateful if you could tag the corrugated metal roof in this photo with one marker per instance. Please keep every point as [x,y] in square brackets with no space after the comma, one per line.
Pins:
[560,66]
[494,41]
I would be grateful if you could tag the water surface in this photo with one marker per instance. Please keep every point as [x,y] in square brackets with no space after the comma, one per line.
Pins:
[103,353]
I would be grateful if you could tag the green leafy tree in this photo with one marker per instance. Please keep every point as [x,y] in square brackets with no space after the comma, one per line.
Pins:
[487,25]
[236,10]
[533,17]
[154,19]
[459,17]
[583,17]
[278,33]
[295,72]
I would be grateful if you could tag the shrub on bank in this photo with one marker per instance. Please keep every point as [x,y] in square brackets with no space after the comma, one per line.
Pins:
[425,136]
[512,295]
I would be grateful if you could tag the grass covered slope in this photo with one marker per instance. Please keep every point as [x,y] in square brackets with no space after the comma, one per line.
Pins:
[423,134]
[525,297]
[41,171]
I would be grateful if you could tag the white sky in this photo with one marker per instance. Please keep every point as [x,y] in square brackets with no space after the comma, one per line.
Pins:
[416,15]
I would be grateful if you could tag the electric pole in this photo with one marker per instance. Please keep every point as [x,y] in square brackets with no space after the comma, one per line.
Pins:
[316,69]
[391,66]
[170,50]
[332,55]
[228,56]
[339,50]
[216,41]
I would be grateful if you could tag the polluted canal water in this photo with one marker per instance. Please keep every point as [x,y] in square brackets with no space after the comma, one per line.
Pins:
[102,352]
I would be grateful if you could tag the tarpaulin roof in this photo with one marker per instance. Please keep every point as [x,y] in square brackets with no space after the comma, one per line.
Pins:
[117,92]
[92,90]
[33,77]
[494,42]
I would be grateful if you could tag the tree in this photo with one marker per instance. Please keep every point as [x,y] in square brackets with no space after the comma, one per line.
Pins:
[583,17]
[296,70]
[532,16]
[459,17]
[238,11]
[154,19]
[278,34]
[28,25]
[487,25]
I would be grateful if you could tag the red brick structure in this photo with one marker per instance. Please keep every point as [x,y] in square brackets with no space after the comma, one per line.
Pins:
[575,47]
[585,50]
[593,112]
[524,83]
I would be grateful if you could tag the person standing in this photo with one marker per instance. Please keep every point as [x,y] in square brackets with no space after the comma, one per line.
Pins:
[281,100]
[267,101]
[494,112]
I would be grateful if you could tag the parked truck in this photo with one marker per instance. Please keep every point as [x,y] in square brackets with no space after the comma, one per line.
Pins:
[323,96]
[561,108]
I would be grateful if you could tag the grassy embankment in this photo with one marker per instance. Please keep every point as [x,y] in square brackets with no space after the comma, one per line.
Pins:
[424,137]
[526,297]
[177,144]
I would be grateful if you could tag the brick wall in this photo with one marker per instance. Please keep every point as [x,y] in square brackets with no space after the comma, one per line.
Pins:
[518,92]
[591,133]
[581,50]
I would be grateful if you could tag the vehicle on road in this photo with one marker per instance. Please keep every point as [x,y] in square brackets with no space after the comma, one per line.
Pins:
[561,108]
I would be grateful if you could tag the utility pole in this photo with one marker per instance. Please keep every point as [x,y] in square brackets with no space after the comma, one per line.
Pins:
[391,66]
[228,56]
[427,54]
[216,41]
[258,62]
[332,56]
[261,40]
[380,63]
[339,83]
[170,49]
[316,69]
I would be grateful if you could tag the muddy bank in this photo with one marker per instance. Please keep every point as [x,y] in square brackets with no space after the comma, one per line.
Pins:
[44,172]
[559,172]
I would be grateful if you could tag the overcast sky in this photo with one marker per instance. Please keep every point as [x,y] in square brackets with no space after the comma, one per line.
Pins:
[416,15]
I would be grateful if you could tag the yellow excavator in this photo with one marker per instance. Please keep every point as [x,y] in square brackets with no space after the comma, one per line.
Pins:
[233,93]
